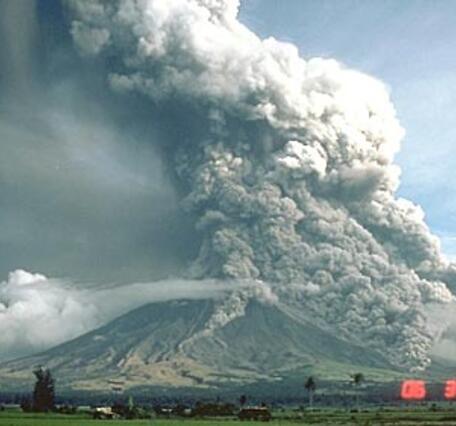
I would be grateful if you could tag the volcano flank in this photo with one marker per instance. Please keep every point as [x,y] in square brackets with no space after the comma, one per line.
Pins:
[168,344]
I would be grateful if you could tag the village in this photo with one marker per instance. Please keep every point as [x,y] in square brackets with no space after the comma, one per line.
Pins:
[356,402]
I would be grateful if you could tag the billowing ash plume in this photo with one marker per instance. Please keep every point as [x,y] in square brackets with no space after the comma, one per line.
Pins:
[287,163]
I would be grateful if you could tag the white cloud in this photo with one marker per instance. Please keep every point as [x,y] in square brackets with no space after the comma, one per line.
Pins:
[37,313]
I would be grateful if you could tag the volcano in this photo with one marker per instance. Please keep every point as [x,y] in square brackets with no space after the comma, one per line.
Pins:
[168,344]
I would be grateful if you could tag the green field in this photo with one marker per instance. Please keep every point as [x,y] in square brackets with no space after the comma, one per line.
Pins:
[326,417]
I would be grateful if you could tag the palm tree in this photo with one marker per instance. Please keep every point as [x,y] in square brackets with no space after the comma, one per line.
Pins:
[357,378]
[242,400]
[310,386]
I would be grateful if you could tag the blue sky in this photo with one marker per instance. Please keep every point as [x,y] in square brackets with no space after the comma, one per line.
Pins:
[410,45]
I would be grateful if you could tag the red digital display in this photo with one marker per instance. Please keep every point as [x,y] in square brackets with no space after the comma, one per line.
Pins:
[414,390]
[450,389]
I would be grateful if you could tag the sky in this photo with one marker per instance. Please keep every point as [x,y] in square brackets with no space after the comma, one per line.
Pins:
[79,202]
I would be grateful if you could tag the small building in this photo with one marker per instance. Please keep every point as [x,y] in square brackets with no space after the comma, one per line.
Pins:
[255,413]
[104,413]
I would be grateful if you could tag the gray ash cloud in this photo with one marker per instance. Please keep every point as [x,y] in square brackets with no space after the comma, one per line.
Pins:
[286,164]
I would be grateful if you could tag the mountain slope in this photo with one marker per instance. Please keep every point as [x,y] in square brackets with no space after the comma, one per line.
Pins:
[167,344]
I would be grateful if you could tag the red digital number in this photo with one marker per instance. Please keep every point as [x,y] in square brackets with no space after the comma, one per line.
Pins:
[413,390]
[450,389]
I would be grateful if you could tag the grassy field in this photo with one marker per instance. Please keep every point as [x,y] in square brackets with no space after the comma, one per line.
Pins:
[328,417]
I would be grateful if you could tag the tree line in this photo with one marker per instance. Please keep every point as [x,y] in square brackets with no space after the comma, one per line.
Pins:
[43,396]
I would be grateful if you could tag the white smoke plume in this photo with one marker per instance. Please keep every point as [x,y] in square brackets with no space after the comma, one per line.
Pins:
[287,164]
[37,313]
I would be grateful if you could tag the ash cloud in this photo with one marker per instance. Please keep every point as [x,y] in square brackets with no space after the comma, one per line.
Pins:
[287,164]
[84,194]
